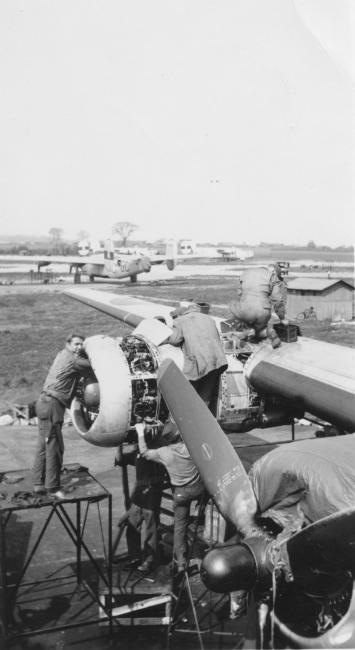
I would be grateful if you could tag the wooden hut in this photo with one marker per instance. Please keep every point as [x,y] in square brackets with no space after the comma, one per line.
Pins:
[330,298]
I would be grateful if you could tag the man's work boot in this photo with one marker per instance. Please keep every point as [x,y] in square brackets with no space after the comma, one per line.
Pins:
[147,566]
[261,334]
[39,489]
[275,341]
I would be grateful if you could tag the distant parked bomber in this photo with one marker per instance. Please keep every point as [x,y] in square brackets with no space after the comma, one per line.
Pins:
[106,264]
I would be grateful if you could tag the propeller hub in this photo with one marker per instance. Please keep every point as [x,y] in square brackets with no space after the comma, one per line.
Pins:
[228,568]
[238,566]
[259,546]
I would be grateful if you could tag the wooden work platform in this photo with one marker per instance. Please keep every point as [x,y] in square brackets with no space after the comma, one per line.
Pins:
[16,488]
[192,616]
[180,603]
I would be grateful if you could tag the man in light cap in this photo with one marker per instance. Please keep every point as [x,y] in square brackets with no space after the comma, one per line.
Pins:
[261,289]
[204,358]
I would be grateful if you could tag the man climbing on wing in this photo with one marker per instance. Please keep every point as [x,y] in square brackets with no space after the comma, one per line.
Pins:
[260,290]
[204,358]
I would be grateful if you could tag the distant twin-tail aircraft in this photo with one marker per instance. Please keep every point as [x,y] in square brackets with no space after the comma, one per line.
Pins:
[107,264]
[233,254]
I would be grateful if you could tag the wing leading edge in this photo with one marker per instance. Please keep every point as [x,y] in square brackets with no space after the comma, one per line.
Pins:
[126,309]
[43,260]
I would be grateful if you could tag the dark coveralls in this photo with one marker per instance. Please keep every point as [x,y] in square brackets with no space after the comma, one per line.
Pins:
[204,358]
[145,503]
[58,391]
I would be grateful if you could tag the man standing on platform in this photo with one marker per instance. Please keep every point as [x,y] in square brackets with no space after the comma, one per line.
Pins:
[145,503]
[58,391]
[144,509]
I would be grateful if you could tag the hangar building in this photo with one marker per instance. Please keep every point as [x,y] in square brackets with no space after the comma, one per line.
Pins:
[331,298]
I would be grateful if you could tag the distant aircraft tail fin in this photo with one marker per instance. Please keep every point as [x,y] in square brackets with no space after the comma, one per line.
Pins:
[171,254]
[108,250]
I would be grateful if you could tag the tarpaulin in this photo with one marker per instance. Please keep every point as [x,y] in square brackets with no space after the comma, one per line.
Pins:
[306,480]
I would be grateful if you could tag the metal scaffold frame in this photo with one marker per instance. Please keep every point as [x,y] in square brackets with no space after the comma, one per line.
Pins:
[73,513]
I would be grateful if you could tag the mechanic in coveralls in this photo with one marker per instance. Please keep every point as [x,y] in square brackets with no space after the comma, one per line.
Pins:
[204,358]
[185,481]
[261,289]
[144,507]
[59,388]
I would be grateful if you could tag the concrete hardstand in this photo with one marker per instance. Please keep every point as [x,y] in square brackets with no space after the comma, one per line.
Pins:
[56,597]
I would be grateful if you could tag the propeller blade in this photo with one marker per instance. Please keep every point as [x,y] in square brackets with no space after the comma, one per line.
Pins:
[323,549]
[217,461]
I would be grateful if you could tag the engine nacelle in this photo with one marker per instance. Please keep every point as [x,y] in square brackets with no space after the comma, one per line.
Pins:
[93,269]
[242,408]
[106,423]
[104,411]
[140,265]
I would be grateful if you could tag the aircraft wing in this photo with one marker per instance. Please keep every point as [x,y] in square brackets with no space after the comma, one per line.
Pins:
[160,259]
[317,376]
[44,260]
[180,256]
[127,309]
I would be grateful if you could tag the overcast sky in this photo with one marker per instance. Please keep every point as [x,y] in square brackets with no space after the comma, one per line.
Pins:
[211,120]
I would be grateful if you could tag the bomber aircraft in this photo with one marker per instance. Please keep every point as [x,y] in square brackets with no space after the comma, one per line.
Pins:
[232,253]
[295,515]
[107,264]
[261,387]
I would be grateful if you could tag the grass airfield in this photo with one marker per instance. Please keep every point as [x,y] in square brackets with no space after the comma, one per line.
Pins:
[35,320]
